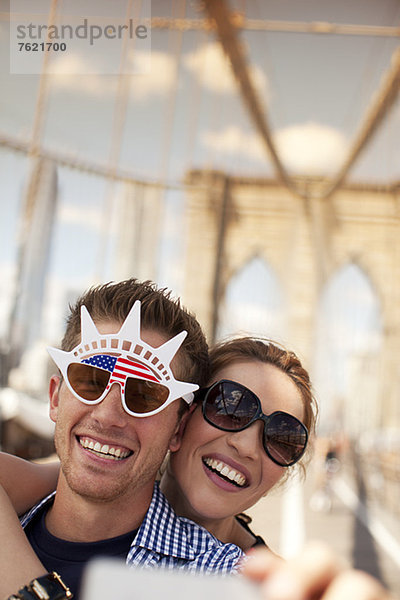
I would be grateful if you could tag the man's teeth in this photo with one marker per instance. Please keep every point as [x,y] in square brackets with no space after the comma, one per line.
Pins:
[97,448]
[225,471]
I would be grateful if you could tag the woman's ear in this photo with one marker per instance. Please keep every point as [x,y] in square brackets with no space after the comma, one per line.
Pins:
[175,442]
[54,388]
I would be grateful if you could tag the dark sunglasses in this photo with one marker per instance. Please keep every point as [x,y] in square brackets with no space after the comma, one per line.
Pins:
[230,406]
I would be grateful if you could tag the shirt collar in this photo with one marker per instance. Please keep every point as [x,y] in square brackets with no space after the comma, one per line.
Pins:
[162,531]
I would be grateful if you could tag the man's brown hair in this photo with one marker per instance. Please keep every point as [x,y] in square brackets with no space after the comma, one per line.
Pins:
[159,312]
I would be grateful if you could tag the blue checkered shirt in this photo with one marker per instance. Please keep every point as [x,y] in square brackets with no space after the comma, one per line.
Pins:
[166,540]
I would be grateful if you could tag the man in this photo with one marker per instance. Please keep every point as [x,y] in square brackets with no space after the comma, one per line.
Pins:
[112,432]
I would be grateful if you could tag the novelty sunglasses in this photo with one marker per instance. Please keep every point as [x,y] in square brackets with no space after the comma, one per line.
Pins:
[230,406]
[143,373]
[91,384]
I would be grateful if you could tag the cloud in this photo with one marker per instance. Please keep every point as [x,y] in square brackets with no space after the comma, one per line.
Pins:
[212,68]
[70,214]
[152,75]
[96,217]
[233,141]
[74,73]
[311,148]
[160,72]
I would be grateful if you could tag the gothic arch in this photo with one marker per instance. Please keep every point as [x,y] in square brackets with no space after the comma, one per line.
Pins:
[253,301]
[364,266]
[232,219]
[349,340]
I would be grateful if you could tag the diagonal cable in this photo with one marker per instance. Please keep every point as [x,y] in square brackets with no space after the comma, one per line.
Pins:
[218,11]
[380,104]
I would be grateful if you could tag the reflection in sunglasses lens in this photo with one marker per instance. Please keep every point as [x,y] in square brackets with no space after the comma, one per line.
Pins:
[229,407]
[285,438]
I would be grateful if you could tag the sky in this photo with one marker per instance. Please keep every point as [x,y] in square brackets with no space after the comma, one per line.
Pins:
[184,112]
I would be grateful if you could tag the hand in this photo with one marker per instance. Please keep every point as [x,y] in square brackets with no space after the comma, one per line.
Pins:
[315,574]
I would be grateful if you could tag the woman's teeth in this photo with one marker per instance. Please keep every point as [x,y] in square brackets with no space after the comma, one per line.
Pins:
[104,450]
[224,471]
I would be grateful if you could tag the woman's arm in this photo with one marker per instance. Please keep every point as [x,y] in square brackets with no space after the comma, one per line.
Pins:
[316,573]
[25,482]
[19,563]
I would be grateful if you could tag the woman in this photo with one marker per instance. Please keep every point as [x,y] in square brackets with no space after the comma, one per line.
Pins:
[245,433]
[217,474]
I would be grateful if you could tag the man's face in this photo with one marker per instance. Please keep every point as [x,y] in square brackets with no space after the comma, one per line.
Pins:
[105,453]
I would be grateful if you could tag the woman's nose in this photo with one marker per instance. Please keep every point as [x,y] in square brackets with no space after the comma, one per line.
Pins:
[247,442]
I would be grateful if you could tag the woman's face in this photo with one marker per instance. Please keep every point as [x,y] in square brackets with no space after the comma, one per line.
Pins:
[211,495]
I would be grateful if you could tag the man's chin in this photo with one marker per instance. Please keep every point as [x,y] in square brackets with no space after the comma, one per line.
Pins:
[98,494]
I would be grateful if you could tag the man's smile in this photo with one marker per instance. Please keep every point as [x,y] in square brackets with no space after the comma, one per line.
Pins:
[109,451]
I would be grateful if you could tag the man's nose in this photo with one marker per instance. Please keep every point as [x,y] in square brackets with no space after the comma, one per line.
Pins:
[110,410]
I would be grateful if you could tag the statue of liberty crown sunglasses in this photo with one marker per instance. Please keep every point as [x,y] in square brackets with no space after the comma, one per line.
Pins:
[143,373]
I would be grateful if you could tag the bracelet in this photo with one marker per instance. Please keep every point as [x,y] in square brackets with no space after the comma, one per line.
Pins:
[47,587]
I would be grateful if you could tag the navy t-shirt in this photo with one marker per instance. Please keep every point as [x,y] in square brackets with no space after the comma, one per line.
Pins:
[69,558]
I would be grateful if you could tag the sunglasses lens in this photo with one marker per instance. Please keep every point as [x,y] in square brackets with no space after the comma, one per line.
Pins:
[144,396]
[87,381]
[286,439]
[229,406]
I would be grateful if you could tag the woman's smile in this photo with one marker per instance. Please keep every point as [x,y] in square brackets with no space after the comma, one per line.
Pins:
[225,472]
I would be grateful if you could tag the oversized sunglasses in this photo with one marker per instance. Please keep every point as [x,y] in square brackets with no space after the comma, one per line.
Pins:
[140,396]
[230,406]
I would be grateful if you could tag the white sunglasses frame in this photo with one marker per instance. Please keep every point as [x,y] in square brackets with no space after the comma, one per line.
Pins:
[64,374]
[158,360]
